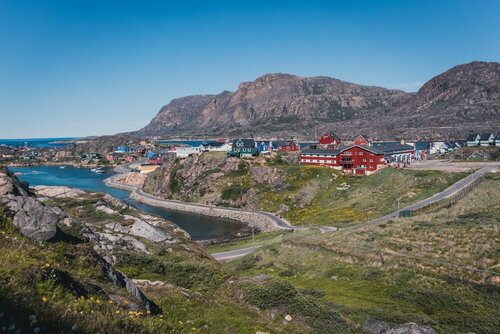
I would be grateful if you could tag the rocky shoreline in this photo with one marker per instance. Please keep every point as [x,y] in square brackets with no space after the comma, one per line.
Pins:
[263,221]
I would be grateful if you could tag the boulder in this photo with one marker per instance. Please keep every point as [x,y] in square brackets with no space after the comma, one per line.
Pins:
[377,326]
[58,191]
[34,219]
[410,328]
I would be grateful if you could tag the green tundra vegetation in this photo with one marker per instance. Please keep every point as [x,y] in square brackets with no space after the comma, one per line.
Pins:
[440,268]
[308,195]
[60,285]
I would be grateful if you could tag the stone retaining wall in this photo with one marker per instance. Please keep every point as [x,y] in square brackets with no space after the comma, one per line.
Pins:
[256,219]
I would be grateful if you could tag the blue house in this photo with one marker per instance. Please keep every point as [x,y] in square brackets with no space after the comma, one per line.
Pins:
[151,155]
[265,146]
[122,149]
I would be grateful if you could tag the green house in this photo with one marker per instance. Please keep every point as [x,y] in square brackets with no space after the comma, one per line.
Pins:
[242,148]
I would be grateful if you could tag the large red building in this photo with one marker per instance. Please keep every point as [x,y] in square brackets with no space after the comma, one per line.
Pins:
[355,159]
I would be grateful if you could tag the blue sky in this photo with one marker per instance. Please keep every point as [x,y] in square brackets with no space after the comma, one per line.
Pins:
[78,68]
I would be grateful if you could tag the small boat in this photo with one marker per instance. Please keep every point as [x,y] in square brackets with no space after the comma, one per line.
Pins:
[97,170]
[62,167]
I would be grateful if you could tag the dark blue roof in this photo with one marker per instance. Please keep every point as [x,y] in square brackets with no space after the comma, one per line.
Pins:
[485,136]
[247,143]
[213,144]
[392,147]
[472,137]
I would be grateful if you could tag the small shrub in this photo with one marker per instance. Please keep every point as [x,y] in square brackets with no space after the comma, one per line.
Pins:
[233,192]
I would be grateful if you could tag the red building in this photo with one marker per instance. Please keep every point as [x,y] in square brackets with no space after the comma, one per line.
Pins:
[355,159]
[286,146]
[362,140]
[330,138]
[155,161]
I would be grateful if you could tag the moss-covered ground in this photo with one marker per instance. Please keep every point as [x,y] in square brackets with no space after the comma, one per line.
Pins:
[439,269]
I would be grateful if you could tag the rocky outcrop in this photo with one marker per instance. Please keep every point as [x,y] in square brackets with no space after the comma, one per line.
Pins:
[463,98]
[377,326]
[191,178]
[57,192]
[34,219]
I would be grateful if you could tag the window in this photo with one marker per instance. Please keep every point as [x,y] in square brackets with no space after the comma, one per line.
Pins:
[371,160]
[364,160]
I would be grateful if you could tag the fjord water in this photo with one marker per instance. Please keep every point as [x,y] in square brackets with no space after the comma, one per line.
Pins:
[198,226]
[38,142]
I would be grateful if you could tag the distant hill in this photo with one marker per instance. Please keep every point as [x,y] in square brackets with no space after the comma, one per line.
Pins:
[466,97]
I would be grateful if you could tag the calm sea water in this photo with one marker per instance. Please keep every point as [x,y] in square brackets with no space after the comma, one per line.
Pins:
[198,226]
[37,142]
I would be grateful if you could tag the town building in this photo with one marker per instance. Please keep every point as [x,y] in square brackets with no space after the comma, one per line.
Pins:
[396,151]
[185,151]
[487,139]
[242,148]
[473,139]
[215,146]
[354,160]
[266,146]
[422,149]
[330,138]
[362,140]
[285,146]
[122,149]
[497,140]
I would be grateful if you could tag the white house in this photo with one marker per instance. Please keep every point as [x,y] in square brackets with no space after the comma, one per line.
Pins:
[497,140]
[487,139]
[215,146]
[184,152]
[473,139]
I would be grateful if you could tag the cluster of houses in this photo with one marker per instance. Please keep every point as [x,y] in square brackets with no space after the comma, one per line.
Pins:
[362,157]
[484,139]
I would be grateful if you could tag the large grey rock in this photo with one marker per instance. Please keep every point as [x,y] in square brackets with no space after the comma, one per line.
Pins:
[410,328]
[34,219]
[377,326]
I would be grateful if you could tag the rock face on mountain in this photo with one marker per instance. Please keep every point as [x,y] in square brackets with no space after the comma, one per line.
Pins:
[282,104]
[273,102]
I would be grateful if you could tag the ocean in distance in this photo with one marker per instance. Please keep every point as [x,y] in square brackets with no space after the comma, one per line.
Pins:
[38,142]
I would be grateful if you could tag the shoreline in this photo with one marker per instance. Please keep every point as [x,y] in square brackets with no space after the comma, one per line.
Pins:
[264,221]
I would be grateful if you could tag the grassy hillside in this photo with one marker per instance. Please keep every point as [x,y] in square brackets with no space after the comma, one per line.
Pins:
[60,285]
[414,269]
[367,197]
[305,195]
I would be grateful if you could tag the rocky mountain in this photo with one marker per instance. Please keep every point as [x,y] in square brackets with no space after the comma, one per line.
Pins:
[466,97]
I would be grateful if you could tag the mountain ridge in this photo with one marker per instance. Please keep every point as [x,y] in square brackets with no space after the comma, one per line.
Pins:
[279,104]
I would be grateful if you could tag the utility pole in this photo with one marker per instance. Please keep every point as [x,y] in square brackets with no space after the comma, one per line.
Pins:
[253,237]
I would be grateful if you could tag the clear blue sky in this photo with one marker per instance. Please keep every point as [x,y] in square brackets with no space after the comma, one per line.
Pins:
[77,68]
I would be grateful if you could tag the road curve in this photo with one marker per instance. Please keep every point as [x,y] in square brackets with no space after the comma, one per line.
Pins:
[112,181]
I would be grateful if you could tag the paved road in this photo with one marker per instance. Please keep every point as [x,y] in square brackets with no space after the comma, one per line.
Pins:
[448,192]
[234,253]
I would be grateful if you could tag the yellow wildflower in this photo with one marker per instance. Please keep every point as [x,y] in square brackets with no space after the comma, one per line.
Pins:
[44,299]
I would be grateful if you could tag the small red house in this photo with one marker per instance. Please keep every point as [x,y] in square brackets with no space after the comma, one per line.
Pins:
[286,146]
[362,140]
[155,161]
[330,138]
